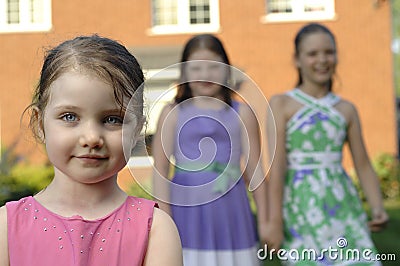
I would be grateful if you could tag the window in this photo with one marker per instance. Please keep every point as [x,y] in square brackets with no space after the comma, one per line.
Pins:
[25,15]
[183,16]
[293,10]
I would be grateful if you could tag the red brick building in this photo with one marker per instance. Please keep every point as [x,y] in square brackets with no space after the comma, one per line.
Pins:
[258,36]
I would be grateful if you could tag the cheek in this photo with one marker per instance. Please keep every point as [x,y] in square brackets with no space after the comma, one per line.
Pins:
[300,63]
[130,132]
[219,77]
[58,147]
[190,75]
[117,143]
[115,138]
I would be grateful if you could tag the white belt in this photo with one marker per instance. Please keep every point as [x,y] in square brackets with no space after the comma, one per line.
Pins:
[314,160]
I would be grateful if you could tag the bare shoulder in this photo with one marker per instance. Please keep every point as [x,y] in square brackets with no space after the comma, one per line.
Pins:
[283,106]
[3,237]
[347,109]
[279,99]
[283,101]
[169,106]
[3,221]
[3,212]
[168,115]
[346,104]
[162,220]
[245,110]
[167,109]
[164,244]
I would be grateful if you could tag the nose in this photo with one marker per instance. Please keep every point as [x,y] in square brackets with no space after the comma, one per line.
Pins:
[91,136]
[204,71]
[322,57]
[201,74]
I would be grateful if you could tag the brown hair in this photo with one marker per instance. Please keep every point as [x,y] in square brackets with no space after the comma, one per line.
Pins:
[104,57]
[213,44]
[305,31]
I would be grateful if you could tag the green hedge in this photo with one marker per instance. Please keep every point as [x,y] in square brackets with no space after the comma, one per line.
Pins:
[141,191]
[18,179]
[387,169]
[24,180]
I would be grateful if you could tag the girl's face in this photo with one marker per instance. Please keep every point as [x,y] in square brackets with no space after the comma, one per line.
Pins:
[316,59]
[205,76]
[82,126]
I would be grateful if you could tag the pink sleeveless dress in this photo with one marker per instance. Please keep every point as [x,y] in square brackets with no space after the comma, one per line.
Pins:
[37,236]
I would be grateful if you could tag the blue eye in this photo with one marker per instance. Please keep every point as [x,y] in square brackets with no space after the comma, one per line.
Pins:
[114,120]
[69,117]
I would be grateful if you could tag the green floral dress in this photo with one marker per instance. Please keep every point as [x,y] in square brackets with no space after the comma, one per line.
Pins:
[324,221]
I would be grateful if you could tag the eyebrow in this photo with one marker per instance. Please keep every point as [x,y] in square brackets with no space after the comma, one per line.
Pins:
[66,107]
[115,111]
[76,108]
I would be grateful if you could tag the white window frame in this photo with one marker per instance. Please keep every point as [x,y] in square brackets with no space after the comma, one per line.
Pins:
[157,98]
[183,21]
[25,25]
[298,13]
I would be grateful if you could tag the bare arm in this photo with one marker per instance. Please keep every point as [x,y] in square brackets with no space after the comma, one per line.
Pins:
[164,243]
[276,134]
[162,150]
[4,260]
[365,172]
[253,170]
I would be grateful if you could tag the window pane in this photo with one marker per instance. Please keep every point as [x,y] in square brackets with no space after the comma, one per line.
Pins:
[164,12]
[279,6]
[313,5]
[199,11]
[12,11]
[36,11]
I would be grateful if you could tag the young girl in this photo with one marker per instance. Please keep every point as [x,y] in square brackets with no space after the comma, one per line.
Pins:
[207,133]
[321,208]
[83,218]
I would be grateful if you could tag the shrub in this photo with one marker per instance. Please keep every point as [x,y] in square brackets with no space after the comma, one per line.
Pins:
[140,190]
[24,180]
[387,169]
[18,179]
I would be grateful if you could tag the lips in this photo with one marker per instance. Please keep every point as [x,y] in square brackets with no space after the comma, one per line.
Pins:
[203,83]
[91,159]
[322,69]
[92,156]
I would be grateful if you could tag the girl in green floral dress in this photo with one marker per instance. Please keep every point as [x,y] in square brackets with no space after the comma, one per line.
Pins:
[315,212]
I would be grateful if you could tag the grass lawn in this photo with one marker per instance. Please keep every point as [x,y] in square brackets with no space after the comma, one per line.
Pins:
[387,241]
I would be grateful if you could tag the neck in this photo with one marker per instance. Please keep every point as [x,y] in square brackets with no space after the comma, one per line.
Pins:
[314,90]
[206,102]
[90,201]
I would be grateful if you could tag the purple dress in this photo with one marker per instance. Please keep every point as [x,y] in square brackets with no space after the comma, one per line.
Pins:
[209,200]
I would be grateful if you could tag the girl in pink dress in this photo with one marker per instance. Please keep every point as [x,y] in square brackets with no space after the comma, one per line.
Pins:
[87,110]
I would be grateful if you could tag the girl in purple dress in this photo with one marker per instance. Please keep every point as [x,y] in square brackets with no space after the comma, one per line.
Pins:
[208,135]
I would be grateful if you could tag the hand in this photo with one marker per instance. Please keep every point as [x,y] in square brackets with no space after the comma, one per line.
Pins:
[262,232]
[274,234]
[379,220]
